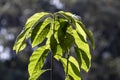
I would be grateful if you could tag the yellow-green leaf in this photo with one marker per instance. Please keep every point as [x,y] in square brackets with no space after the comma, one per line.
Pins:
[84,47]
[20,42]
[88,33]
[40,32]
[34,19]
[81,31]
[83,59]
[73,68]
[37,60]
[81,44]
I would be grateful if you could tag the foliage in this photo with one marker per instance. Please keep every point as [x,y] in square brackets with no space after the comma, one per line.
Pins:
[56,33]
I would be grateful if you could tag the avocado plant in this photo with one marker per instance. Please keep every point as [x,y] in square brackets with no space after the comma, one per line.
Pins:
[59,31]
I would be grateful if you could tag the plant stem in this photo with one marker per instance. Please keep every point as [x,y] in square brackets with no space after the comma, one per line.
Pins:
[51,74]
[52,61]
[67,63]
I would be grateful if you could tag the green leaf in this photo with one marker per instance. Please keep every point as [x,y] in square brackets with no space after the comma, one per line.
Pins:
[73,17]
[50,33]
[73,20]
[65,15]
[81,31]
[20,42]
[59,52]
[34,19]
[37,74]
[83,59]
[88,33]
[68,41]
[74,72]
[56,26]
[68,77]
[37,60]
[84,50]
[26,33]
[81,44]
[73,68]
[69,17]
[61,30]
[53,44]
[40,32]
[61,33]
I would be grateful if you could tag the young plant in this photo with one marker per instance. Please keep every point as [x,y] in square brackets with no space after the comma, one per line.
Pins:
[59,32]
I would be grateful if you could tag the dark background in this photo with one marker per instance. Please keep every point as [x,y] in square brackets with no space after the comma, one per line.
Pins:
[102,17]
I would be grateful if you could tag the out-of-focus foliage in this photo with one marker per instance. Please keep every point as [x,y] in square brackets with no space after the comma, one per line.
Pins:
[101,16]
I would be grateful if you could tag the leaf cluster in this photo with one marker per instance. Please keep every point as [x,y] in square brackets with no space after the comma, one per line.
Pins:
[59,32]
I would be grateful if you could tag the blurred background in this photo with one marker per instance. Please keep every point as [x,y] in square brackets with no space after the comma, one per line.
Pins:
[102,17]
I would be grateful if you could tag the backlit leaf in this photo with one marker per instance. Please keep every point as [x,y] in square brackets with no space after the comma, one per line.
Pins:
[83,59]
[81,44]
[58,32]
[34,19]
[84,51]
[37,74]
[73,20]
[81,31]
[37,60]
[73,68]
[20,42]
[88,33]
[59,52]
[40,32]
